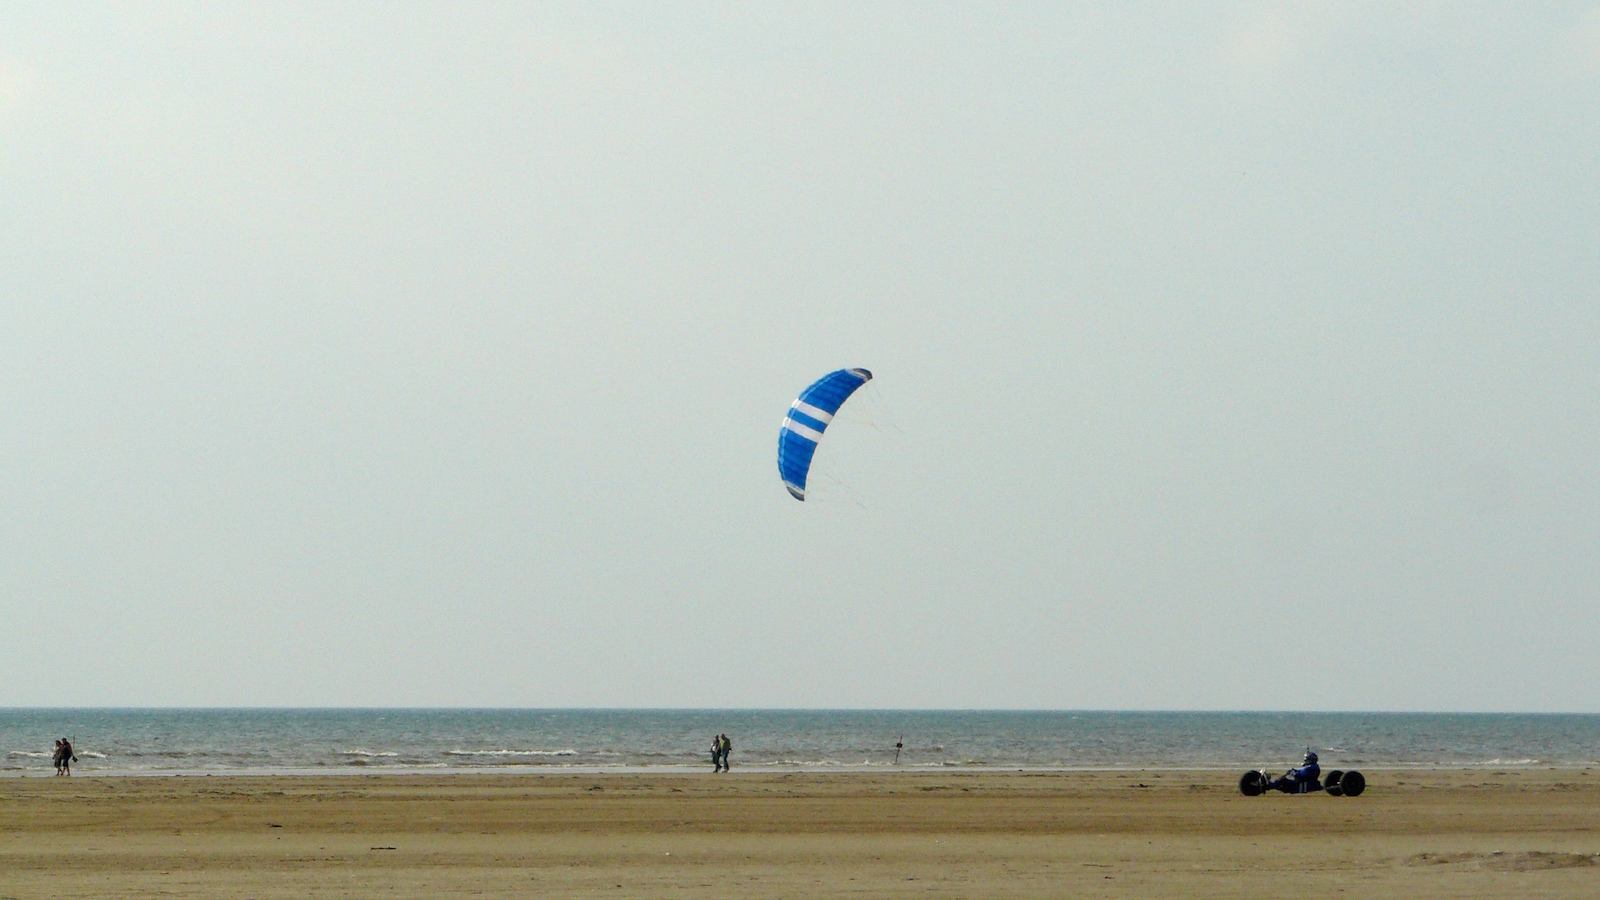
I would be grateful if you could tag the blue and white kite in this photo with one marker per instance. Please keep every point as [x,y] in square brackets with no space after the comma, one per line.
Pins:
[808,418]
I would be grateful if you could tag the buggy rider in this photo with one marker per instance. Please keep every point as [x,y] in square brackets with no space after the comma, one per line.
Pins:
[1303,780]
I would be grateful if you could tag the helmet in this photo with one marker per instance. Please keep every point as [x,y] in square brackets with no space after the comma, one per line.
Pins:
[1310,757]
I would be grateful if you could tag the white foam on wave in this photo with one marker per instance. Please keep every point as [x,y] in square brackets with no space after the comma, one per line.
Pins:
[1509,762]
[371,753]
[90,754]
[567,752]
[31,754]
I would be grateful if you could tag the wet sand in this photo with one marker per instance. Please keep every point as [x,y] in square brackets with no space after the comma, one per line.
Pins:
[1474,833]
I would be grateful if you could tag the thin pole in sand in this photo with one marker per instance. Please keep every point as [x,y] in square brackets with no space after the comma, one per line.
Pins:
[899,743]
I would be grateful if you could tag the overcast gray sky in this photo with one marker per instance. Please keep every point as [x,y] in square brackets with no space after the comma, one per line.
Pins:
[1228,355]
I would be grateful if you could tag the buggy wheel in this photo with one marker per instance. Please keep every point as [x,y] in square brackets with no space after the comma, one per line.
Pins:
[1353,784]
[1331,783]
[1251,784]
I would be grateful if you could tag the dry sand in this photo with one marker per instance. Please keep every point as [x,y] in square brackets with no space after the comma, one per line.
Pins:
[1128,834]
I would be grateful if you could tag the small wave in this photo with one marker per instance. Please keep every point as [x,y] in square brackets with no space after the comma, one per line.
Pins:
[1509,762]
[91,754]
[31,754]
[189,754]
[567,752]
[368,753]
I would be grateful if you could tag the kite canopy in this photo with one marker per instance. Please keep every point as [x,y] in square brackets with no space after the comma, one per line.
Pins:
[808,418]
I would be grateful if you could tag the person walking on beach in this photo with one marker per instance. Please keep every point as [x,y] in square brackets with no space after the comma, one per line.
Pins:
[55,756]
[716,753]
[64,757]
[726,746]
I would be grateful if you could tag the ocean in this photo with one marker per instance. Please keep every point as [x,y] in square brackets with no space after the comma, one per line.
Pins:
[342,741]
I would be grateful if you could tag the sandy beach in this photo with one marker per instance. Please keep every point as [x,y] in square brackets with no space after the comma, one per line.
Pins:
[1465,833]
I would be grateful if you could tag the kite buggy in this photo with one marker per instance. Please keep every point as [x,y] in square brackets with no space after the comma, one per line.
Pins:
[1304,780]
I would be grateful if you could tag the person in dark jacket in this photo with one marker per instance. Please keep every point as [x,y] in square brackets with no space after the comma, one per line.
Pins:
[64,757]
[1303,780]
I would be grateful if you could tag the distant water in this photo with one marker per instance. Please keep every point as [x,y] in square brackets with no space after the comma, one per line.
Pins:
[131,741]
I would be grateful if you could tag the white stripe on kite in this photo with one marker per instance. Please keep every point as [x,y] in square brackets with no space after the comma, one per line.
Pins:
[803,431]
[813,412]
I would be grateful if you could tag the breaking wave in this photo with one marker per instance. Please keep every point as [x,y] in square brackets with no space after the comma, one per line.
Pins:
[504,753]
